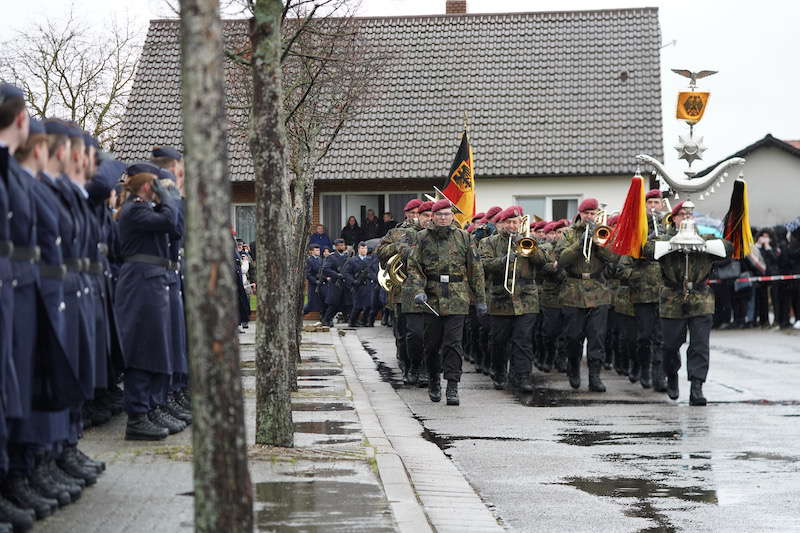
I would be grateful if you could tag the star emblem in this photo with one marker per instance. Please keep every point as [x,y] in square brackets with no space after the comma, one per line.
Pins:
[690,149]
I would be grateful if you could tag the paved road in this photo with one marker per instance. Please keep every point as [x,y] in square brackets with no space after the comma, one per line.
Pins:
[631,460]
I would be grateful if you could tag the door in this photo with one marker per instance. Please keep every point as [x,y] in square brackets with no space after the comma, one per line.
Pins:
[358,204]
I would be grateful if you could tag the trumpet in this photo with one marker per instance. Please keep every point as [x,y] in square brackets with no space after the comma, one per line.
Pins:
[393,276]
[524,245]
[596,234]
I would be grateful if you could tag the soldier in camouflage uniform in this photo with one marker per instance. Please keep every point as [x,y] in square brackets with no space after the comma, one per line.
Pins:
[537,232]
[483,358]
[552,318]
[471,323]
[625,317]
[645,285]
[585,297]
[400,240]
[443,271]
[686,303]
[511,316]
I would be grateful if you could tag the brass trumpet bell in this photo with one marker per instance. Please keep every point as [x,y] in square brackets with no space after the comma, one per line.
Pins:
[393,276]
[526,246]
[601,235]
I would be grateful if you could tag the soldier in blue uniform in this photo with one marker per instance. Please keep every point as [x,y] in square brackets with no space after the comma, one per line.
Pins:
[335,298]
[356,272]
[147,216]
[312,268]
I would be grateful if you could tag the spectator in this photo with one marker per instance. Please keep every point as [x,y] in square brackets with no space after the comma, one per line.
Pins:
[321,238]
[388,222]
[764,243]
[351,233]
[792,294]
[373,228]
[782,300]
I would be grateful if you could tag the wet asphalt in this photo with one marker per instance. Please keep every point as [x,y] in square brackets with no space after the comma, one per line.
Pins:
[629,459]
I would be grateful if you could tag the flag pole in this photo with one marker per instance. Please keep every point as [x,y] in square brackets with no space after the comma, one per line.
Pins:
[466,122]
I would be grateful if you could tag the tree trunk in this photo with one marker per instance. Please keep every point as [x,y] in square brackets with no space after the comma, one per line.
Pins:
[274,230]
[223,492]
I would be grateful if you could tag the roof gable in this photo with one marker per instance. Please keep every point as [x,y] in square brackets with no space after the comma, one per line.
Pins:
[767,141]
[551,93]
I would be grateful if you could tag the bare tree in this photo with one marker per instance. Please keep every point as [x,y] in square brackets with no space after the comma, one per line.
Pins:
[69,71]
[223,492]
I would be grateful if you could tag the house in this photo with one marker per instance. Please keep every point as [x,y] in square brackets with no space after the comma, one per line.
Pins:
[559,103]
[772,172]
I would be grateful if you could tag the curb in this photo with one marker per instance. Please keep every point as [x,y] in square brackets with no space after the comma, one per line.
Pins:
[425,488]
[406,508]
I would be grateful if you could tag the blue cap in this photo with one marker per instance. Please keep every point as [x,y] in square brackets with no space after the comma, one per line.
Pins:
[56,127]
[36,126]
[167,151]
[74,131]
[88,140]
[106,177]
[9,92]
[164,174]
[143,166]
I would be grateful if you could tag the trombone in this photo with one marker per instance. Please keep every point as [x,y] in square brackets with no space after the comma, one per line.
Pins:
[596,234]
[525,246]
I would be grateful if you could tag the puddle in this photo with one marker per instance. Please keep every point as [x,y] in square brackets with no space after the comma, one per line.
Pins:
[645,492]
[765,456]
[320,406]
[319,473]
[444,442]
[387,373]
[337,441]
[327,427]
[308,372]
[542,397]
[605,438]
[578,421]
[321,505]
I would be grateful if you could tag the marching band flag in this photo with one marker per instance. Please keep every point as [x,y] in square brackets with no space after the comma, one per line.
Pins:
[691,106]
[460,185]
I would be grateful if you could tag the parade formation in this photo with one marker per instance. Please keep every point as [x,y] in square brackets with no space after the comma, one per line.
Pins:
[90,299]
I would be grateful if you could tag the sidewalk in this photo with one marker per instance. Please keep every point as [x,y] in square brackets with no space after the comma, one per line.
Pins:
[328,482]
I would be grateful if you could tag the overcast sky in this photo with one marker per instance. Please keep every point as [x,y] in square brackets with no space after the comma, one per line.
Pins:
[753,44]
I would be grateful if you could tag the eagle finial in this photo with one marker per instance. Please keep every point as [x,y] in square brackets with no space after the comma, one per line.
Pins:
[693,76]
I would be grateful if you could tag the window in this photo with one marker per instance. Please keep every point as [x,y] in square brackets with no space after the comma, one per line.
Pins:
[549,207]
[532,205]
[245,221]
[564,208]
[397,202]
[332,214]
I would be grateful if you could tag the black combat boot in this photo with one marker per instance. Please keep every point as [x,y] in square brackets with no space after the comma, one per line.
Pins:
[595,383]
[522,385]
[184,400]
[6,527]
[696,393]
[161,418]
[499,380]
[659,383]
[574,370]
[88,462]
[41,481]
[141,428]
[21,519]
[65,480]
[177,411]
[562,356]
[434,388]
[673,390]
[644,366]
[410,376]
[422,375]
[19,492]
[548,355]
[452,392]
[621,358]
[69,463]
[634,370]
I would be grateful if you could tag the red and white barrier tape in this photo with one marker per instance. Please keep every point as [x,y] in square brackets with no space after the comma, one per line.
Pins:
[759,278]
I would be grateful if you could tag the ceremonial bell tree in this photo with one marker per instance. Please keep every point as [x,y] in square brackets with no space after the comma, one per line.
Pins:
[223,491]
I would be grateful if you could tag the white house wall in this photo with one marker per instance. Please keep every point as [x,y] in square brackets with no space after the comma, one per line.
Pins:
[773,185]
[498,191]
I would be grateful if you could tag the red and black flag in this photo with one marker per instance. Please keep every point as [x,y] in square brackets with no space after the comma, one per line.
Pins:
[460,185]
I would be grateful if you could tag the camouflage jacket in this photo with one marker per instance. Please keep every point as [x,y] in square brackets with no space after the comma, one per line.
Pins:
[646,276]
[620,286]
[585,284]
[685,292]
[552,277]
[445,266]
[526,295]
[400,240]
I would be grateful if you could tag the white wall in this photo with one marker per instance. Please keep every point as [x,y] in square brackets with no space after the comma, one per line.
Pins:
[773,188]
[499,191]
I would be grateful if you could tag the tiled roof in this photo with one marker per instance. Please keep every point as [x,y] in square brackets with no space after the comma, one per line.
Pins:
[548,94]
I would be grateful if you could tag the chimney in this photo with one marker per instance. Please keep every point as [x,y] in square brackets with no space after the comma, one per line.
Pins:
[456,7]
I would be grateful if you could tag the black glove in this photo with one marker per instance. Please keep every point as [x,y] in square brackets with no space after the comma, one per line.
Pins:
[481,309]
[158,190]
[421,298]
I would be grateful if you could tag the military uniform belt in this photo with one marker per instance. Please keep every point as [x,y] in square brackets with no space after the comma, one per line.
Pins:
[444,278]
[26,253]
[77,264]
[690,287]
[52,271]
[6,247]
[96,268]
[588,275]
[102,248]
[149,260]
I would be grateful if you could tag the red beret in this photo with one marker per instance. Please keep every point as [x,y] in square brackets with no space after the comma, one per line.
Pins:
[425,206]
[492,212]
[441,205]
[612,221]
[509,212]
[550,226]
[470,228]
[412,204]
[677,207]
[539,225]
[479,216]
[563,223]
[588,205]
[654,193]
